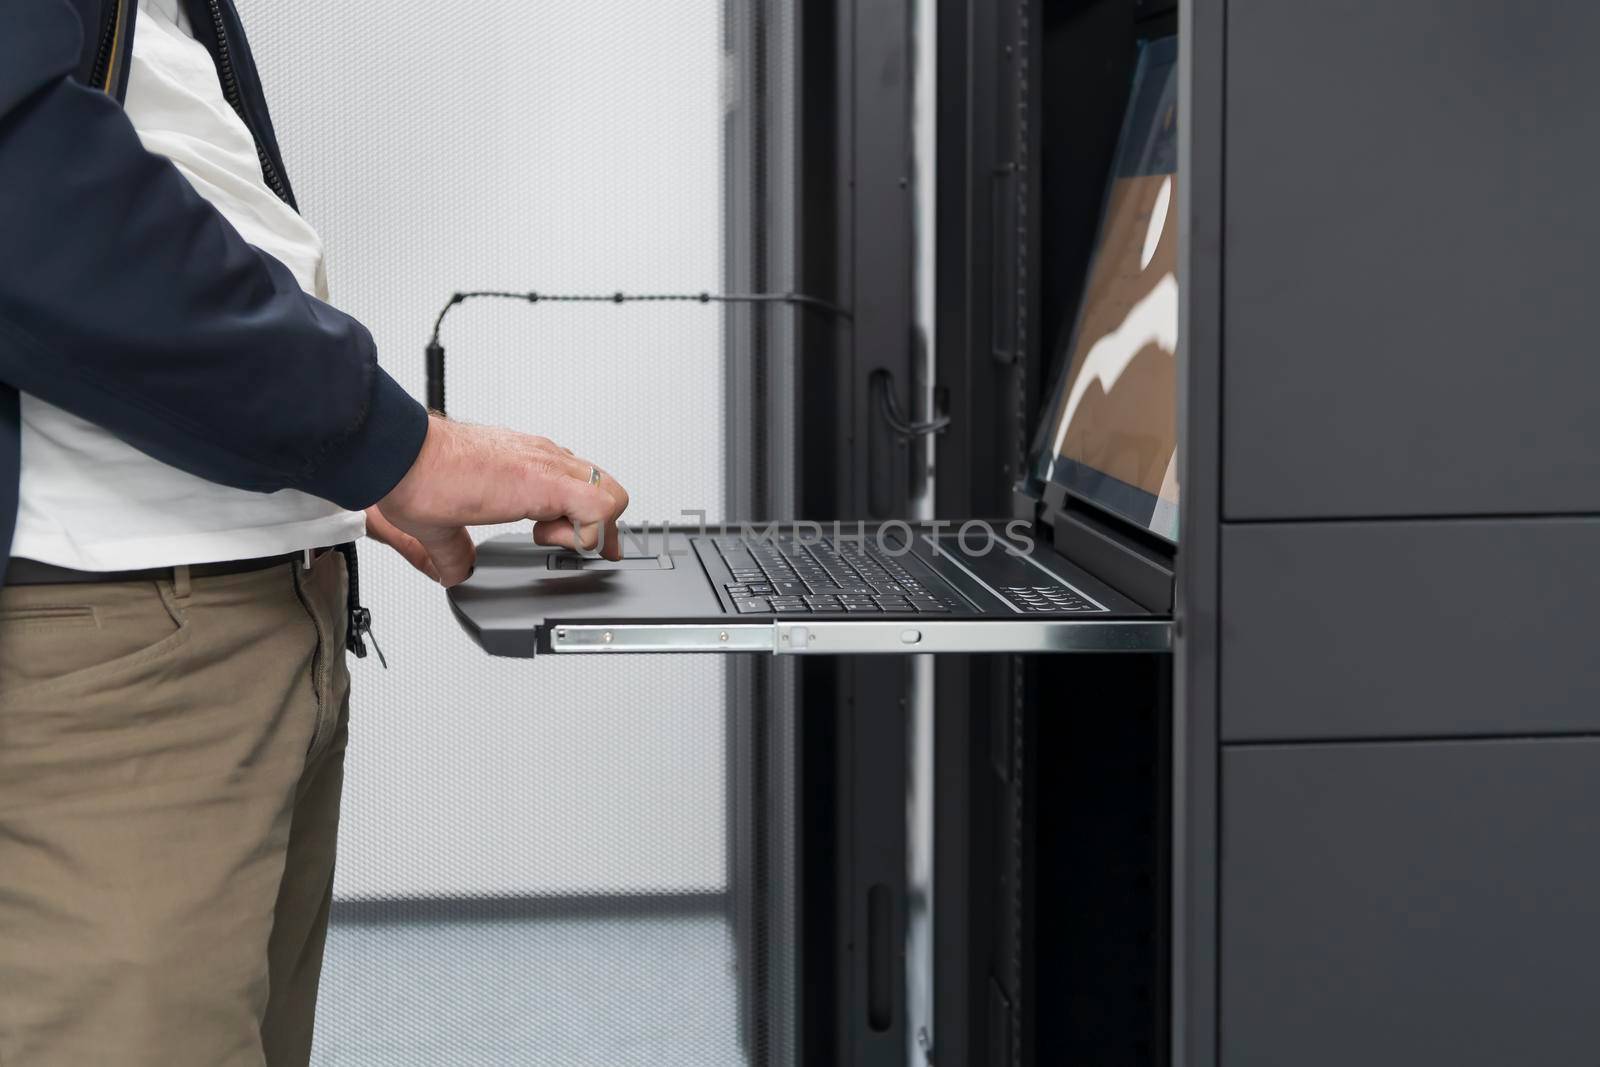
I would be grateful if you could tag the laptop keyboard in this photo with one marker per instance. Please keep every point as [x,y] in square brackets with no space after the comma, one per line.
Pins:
[790,576]
[1046,599]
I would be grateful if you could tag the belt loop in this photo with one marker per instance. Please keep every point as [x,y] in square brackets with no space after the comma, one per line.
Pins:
[180,582]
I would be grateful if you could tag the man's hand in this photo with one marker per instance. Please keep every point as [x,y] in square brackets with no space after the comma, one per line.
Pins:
[471,475]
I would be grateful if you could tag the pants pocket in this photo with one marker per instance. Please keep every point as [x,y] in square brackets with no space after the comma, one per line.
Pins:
[44,617]
[57,638]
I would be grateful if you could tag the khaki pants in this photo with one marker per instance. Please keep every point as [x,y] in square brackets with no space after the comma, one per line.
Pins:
[171,757]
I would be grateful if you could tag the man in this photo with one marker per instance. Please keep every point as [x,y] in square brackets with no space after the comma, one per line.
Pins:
[188,439]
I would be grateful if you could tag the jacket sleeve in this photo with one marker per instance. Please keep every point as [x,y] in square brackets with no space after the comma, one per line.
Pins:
[128,300]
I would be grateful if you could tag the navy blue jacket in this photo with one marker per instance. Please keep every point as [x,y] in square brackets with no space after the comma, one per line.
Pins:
[127,299]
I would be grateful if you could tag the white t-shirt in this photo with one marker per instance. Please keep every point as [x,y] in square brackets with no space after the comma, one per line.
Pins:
[88,500]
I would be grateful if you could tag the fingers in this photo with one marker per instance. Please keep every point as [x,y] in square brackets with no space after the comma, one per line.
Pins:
[602,531]
[559,533]
[592,531]
[572,496]
[577,467]
[618,494]
[554,533]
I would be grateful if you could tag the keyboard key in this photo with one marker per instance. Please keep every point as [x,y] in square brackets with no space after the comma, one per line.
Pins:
[794,574]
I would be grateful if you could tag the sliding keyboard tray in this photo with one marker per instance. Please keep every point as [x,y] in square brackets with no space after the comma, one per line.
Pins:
[526,600]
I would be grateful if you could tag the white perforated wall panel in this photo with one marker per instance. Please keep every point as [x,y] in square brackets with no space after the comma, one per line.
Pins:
[558,144]
[526,144]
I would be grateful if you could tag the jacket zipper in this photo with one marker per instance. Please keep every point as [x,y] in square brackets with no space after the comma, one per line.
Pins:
[100,73]
[360,620]
[230,92]
[360,631]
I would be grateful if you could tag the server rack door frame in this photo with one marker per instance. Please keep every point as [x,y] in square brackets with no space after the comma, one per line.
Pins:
[857,138]
[1196,752]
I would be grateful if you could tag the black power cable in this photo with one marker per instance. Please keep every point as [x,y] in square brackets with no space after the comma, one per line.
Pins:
[435,350]
[889,406]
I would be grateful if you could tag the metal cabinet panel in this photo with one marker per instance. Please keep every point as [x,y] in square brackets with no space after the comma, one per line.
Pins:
[1410,305]
[1410,629]
[1396,905]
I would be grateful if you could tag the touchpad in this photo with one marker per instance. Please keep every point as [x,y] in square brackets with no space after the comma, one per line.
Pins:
[571,561]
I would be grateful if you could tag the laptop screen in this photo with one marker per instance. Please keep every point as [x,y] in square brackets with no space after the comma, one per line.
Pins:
[1110,435]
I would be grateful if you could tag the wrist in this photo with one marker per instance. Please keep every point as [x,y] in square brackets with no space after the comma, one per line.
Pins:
[434,442]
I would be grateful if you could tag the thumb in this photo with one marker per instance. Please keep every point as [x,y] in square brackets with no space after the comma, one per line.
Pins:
[453,553]
[380,529]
